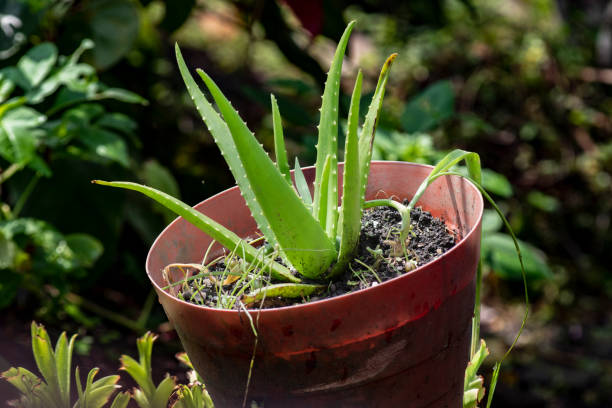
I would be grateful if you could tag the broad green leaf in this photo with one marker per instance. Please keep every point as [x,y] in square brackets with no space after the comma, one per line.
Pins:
[430,108]
[100,391]
[138,373]
[113,27]
[18,136]
[117,122]
[300,237]
[86,249]
[301,184]
[163,392]
[6,86]
[279,142]
[366,138]
[543,202]
[17,77]
[284,290]
[8,252]
[499,252]
[22,379]
[74,76]
[121,400]
[140,398]
[63,359]
[216,231]
[45,359]
[350,210]
[496,183]
[122,95]
[160,178]
[36,64]
[327,145]
[473,383]
[490,222]
[105,144]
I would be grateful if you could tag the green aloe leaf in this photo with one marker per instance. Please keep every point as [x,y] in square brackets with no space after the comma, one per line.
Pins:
[327,145]
[366,139]
[279,142]
[301,184]
[216,231]
[350,210]
[300,237]
[223,138]
[284,290]
[325,180]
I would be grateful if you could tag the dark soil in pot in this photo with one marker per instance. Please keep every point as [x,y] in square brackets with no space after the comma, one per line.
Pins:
[379,257]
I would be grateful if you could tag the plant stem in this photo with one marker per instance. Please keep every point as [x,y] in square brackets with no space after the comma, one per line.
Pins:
[8,173]
[146,309]
[105,313]
[476,318]
[403,210]
[24,195]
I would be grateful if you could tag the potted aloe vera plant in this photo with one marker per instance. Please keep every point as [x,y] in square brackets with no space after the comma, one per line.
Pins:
[400,342]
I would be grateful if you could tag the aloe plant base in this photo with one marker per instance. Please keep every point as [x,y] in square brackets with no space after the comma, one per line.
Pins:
[402,343]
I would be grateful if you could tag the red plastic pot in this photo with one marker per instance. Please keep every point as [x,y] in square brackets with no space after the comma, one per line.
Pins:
[403,343]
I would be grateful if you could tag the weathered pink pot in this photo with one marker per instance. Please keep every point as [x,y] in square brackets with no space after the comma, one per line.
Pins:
[403,343]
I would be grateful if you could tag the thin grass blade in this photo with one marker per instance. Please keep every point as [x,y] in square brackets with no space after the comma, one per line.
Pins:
[300,237]
[215,230]
[279,142]
[327,145]
[472,160]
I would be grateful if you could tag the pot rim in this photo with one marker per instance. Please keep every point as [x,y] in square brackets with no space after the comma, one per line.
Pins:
[316,303]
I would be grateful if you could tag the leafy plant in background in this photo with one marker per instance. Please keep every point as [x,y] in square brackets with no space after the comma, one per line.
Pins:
[53,390]
[49,109]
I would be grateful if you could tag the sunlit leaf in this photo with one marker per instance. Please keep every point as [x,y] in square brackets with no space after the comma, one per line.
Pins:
[430,108]
[499,252]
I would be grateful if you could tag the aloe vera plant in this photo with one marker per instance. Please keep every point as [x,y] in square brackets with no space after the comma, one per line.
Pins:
[313,235]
